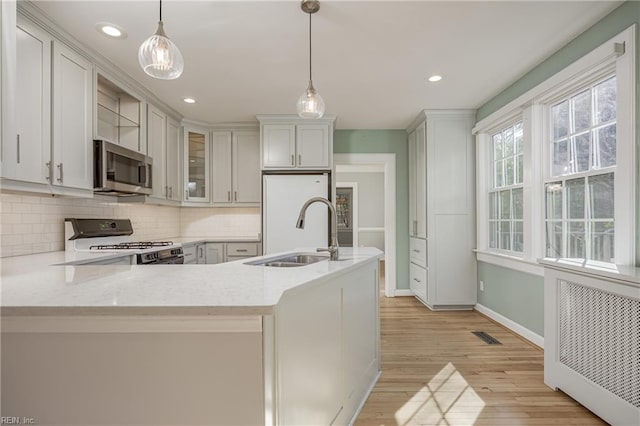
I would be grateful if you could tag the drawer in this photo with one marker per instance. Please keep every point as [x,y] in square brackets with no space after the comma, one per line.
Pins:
[242,249]
[418,281]
[189,254]
[418,251]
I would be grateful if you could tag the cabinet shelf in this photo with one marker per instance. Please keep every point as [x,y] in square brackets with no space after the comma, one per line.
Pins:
[114,119]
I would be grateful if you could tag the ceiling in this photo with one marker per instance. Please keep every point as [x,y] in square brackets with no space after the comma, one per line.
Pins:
[370,58]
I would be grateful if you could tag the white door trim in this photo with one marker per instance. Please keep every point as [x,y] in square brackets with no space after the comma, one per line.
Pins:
[388,160]
[354,214]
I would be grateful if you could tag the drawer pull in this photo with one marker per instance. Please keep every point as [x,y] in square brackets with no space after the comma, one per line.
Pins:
[417,280]
[241,250]
[417,251]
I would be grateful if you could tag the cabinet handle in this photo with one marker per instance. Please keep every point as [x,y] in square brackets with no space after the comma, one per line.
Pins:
[166,191]
[171,192]
[48,177]
[293,163]
[299,159]
[235,195]
[241,250]
[416,251]
[18,147]
[186,194]
[199,251]
[417,280]
[415,227]
[228,195]
[60,172]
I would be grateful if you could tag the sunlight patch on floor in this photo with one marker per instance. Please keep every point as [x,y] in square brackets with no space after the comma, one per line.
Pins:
[447,400]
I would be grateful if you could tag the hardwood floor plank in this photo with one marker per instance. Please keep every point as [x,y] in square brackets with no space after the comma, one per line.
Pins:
[436,372]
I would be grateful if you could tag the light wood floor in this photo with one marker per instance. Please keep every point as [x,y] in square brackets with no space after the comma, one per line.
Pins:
[435,372]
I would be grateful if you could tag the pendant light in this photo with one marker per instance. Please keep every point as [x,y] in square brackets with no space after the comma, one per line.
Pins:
[310,103]
[159,57]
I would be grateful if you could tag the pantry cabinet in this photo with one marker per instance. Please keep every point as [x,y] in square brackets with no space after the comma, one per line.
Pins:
[236,168]
[442,268]
[289,142]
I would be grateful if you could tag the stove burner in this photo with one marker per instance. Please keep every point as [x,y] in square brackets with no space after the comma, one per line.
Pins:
[140,245]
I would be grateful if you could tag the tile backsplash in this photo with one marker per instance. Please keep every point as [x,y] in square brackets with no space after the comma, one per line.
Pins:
[35,223]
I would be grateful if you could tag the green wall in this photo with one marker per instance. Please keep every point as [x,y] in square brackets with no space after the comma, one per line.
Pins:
[381,142]
[516,295]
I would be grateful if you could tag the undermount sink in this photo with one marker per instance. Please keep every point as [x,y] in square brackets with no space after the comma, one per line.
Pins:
[290,260]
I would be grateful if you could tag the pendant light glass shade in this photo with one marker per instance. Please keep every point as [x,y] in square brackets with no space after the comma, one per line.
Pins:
[310,103]
[159,57]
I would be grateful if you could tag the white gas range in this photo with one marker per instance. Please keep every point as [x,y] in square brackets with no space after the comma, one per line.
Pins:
[114,235]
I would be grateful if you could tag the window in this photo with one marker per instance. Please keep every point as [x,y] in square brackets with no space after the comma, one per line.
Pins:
[580,190]
[505,194]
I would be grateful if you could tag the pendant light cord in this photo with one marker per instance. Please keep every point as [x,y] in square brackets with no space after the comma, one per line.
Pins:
[309,47]
[161,10]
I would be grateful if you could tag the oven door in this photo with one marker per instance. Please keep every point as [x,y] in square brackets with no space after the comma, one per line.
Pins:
[121,170]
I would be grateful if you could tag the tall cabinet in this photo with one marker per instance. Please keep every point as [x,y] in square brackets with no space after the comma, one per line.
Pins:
[442,268]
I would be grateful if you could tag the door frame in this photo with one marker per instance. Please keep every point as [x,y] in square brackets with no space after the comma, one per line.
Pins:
[354,214]
[388,163]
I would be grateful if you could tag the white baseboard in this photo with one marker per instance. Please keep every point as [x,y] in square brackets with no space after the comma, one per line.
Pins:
[403,292]
[534,338]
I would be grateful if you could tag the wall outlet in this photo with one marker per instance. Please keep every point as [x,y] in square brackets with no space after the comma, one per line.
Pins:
[481,285]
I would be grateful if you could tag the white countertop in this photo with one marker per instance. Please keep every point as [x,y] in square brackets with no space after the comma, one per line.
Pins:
[34,285]
[623,273]
[196,240]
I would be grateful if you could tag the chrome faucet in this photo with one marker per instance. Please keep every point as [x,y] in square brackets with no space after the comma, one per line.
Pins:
[333,248]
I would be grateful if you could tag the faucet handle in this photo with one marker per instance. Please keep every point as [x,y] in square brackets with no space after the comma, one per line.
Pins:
[333,251]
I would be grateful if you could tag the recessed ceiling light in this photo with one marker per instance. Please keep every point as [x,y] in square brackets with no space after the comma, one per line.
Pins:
[111,30]
[189,100]
[435,78]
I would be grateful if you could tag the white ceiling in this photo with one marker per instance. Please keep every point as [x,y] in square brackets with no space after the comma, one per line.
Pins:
[370,59]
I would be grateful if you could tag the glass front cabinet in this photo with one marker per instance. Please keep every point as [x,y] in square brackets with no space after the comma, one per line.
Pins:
[197,165]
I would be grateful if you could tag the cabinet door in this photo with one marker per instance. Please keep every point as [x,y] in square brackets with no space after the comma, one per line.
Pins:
[72,119]
[196,144]
[221,146]
[278,146]
[26,153]
[312,144]
[174,154]
[418,281]
[214,253]
[246,167]
[157,145]
[412,184]
[421,183]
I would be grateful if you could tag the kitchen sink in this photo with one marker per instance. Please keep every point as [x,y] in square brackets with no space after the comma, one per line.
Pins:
[290,260]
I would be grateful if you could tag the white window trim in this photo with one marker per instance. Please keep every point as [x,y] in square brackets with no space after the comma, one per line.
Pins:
[531,107]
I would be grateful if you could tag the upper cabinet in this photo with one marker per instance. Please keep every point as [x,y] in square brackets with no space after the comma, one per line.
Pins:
[289,142]
[163,144]
[120,115]
[51,150]
[197,165]
[236,168]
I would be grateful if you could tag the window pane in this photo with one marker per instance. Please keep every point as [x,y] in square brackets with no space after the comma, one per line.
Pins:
[576,246]
[560,158]
[505,204]
[554,200]
[554,239]
[497,167]
[602,241]
[606,100]
[520,169]
[508,142]
[560,120]
[605,154]
[505,235]
[575,198]
[497,146]
[518,135]
[518,237]
[516,195]
[493,234]
[601,190]
[509,172]
[581,104]
[581,145]
[493,205]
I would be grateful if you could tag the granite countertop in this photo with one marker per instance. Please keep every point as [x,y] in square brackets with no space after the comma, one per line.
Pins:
[34,285]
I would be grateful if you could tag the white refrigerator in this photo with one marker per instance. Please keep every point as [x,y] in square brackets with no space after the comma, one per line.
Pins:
[282,198]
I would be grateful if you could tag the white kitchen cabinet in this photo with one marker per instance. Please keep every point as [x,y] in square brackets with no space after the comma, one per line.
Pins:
[442,209]
[289,142]
[236,168]
[163,142]
[190,254]
[214,253]
[202,254]
[237,251]
[197,164]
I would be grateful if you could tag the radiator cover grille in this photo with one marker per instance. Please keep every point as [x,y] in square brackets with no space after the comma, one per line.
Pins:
[599,338]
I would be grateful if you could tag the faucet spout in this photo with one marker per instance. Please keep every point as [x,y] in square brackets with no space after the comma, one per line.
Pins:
[333,248]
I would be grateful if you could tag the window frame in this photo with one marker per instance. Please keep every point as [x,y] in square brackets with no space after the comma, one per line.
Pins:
[616,56]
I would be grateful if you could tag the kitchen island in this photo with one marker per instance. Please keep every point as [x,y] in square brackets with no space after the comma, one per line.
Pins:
[189,344]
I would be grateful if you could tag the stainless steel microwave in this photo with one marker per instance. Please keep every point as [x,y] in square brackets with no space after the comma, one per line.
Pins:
[119,170]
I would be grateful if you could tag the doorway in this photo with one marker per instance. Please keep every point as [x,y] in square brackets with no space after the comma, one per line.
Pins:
[380,209]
